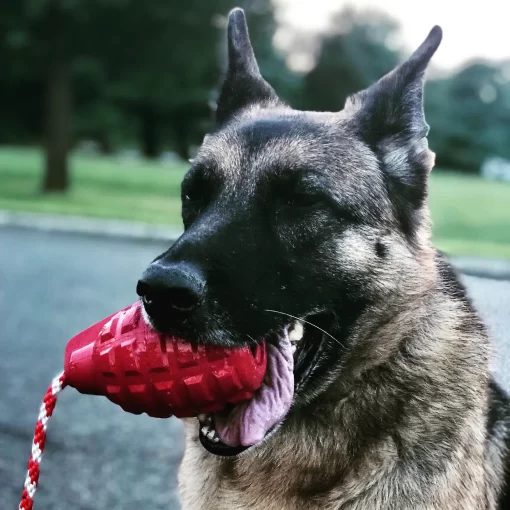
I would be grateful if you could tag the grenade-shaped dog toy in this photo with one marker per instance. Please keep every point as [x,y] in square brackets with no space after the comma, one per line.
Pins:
[124,359]
[143,371]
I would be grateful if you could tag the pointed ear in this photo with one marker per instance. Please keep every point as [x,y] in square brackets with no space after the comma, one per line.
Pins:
[389,117]
[243,85]
[390,112]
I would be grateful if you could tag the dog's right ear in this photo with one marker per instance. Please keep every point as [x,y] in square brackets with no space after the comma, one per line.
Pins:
[243,85]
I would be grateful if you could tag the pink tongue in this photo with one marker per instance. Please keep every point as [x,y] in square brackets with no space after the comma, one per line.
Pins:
[247,423]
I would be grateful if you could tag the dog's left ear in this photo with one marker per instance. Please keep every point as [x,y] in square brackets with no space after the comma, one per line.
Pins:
[389,117]
[243,85]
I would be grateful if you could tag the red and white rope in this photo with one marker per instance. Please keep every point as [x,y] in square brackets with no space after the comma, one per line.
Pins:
[47,406]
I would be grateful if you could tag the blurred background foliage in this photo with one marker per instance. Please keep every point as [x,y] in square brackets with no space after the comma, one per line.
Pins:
[104,101]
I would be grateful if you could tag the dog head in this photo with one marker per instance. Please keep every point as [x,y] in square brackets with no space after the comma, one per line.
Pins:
[298,219]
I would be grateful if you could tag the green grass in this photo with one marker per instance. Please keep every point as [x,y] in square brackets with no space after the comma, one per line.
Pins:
[101,187]
[470,216]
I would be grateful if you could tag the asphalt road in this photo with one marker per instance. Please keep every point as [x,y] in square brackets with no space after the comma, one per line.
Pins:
[98,457]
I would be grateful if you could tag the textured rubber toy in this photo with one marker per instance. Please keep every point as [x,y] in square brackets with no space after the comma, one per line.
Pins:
[143,371]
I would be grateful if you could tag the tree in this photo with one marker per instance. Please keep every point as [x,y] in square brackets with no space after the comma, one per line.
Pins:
[167,78]
[350,58]
[157,57]
[50,34]
[172,79]
[110,63]
[469,113]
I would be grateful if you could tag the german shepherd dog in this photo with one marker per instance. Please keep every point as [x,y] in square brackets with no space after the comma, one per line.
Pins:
[311,231]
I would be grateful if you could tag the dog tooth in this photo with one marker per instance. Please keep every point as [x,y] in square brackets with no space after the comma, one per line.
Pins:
[216,439]
[296,333]
[202,417]
[205,430]
[212,434]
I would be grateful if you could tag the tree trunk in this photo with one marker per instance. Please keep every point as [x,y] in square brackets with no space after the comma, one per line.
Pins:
[105,144]
[182,141]
[58,112]
[149,133]
[180,126]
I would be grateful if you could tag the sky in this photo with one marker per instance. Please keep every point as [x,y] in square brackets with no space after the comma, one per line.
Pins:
[471,29]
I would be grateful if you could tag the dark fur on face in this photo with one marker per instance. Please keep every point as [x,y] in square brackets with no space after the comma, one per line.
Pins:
[323,217]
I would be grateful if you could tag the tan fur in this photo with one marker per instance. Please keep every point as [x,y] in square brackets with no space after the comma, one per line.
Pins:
[307,464]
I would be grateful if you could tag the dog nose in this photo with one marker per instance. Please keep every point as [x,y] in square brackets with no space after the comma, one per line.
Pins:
[170,287]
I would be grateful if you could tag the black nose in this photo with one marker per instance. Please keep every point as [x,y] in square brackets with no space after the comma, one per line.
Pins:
[166,288]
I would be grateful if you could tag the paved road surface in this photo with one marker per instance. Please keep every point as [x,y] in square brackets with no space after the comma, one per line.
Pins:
[97,456]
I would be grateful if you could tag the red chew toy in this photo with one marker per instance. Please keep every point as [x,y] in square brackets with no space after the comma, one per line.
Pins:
[143,371]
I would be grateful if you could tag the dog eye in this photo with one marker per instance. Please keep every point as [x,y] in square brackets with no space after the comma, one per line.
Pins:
[193,203]
[195,195]
[190,198]
[301,199]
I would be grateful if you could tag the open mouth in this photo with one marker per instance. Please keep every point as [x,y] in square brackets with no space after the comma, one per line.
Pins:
[291,358]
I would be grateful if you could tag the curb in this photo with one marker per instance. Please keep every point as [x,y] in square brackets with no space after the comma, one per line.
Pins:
[495,269]
[89,226]
[472,266]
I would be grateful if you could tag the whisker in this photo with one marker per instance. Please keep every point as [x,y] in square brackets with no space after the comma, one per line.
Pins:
[251,338]
[310,323]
